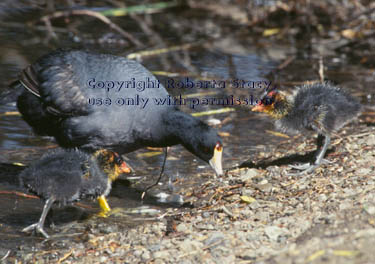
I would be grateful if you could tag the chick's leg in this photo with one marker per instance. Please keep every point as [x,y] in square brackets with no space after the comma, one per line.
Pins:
[318,159]
[39,226]
[320,155]
[105,209]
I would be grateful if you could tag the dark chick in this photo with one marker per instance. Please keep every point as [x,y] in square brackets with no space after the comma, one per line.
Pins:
[322,108]
[55,102]
[66,176]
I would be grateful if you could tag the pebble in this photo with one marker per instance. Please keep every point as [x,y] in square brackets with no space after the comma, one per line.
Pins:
[189,245]
[248,174]
[146,255]
[274,232]
[183,228]
[214,238]
[369,208]
[163,254]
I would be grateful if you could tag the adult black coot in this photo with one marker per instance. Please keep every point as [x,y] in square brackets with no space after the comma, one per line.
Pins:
[94,101]
[66,176]
[322,108]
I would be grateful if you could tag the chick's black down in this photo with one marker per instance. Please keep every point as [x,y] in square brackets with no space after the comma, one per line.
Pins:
[320,107]
[65,175]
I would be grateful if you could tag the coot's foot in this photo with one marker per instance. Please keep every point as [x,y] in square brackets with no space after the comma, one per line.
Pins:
[37,227]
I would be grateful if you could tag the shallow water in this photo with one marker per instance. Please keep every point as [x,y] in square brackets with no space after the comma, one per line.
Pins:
[245,130]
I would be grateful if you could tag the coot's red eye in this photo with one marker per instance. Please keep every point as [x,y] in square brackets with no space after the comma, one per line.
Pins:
[218,146]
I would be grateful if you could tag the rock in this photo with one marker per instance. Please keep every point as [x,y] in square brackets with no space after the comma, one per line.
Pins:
[364,171]
[103,259]
[189,245]
[366,232]
[137,253]
[371,140]
[163,254]
[248,174]
[206,214]
[274,232]
[146,255]
[154,248]
[345,205]
[214,238]
[247,192]
[182,227]
[369,208]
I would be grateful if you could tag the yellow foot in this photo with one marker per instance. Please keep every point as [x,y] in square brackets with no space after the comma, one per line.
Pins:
[114,212]
[118,211]
[105,209]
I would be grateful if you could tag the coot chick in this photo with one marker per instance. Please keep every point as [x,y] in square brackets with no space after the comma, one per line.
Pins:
[95,101]
[66,176]
[322,108]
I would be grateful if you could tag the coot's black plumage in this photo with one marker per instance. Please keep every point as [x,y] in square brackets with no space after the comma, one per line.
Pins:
[66,176]
[56,103]
[322,108]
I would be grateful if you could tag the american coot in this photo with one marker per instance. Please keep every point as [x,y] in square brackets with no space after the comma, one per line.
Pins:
[94,101]
[66,176]
[322,108]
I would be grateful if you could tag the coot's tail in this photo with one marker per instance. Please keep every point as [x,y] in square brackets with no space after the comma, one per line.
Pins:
[10,95]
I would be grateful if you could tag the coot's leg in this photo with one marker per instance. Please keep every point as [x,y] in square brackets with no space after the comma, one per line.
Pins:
[39,226]
[160,175]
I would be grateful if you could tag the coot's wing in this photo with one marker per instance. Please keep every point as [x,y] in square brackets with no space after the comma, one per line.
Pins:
[53,80]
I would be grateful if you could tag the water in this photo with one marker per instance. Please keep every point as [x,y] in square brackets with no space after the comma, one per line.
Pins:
[245,130]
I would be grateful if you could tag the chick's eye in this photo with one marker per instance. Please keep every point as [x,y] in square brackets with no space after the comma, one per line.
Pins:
[267,100]
[118,160]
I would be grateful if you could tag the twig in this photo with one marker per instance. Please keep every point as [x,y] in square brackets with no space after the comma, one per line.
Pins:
[49,28]
[67,255]
[97,15]
[285,63]
[358,15]
[321,69]
[139,9]
[145,53]
[21,25]
[5,256]
[212,112]
[226,188]
[20,194]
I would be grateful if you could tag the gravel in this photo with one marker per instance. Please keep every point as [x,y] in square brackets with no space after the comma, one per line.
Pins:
[327,217]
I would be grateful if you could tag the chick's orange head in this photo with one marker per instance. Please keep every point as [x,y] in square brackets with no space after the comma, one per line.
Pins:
[123,167]
[266,104]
